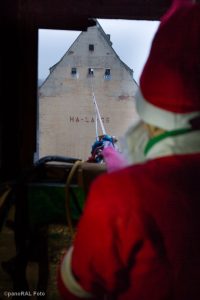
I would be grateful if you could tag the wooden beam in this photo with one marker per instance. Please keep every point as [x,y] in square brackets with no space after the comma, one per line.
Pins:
[76,14]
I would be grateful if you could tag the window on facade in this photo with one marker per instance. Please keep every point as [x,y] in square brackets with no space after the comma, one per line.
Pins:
[91,47]
[73,71]
[90,72]
[107,74]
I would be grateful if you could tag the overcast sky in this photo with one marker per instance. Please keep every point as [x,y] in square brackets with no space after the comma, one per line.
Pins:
[131,41]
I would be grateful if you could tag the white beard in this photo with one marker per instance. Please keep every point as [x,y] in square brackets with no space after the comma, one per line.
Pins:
[133,143]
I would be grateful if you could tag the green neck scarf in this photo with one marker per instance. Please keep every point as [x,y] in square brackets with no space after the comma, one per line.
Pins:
[163,136]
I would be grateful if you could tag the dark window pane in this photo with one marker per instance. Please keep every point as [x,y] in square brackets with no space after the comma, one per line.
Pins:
[73,71]
[91,47]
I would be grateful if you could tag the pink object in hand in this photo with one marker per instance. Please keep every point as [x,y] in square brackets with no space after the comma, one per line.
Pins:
[113,159]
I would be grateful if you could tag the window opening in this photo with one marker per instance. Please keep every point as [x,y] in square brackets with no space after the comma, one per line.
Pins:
[90,72]
[91,47]
[107,74]
[74,72]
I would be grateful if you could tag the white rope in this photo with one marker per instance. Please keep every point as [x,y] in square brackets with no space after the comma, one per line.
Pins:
[98,116]
[96,127]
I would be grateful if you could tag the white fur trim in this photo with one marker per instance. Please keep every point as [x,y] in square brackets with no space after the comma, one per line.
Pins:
[69,280]
[161,118]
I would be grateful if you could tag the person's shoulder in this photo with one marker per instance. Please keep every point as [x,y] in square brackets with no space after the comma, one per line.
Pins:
[123,178]
[137,173]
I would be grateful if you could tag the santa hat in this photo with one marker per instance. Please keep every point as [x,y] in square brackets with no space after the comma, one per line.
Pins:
[169,95]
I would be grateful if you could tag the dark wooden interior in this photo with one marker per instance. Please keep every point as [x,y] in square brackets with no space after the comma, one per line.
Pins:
[20,21]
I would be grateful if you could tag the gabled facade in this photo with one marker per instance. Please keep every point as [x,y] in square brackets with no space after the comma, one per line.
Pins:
[66,109]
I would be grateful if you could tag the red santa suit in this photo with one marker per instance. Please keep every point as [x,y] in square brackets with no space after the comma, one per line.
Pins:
[139,236]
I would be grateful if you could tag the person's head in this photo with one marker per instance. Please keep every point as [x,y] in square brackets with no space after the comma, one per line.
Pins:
[169,94]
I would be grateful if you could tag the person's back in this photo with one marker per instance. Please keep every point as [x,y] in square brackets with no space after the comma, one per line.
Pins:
[161,227]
